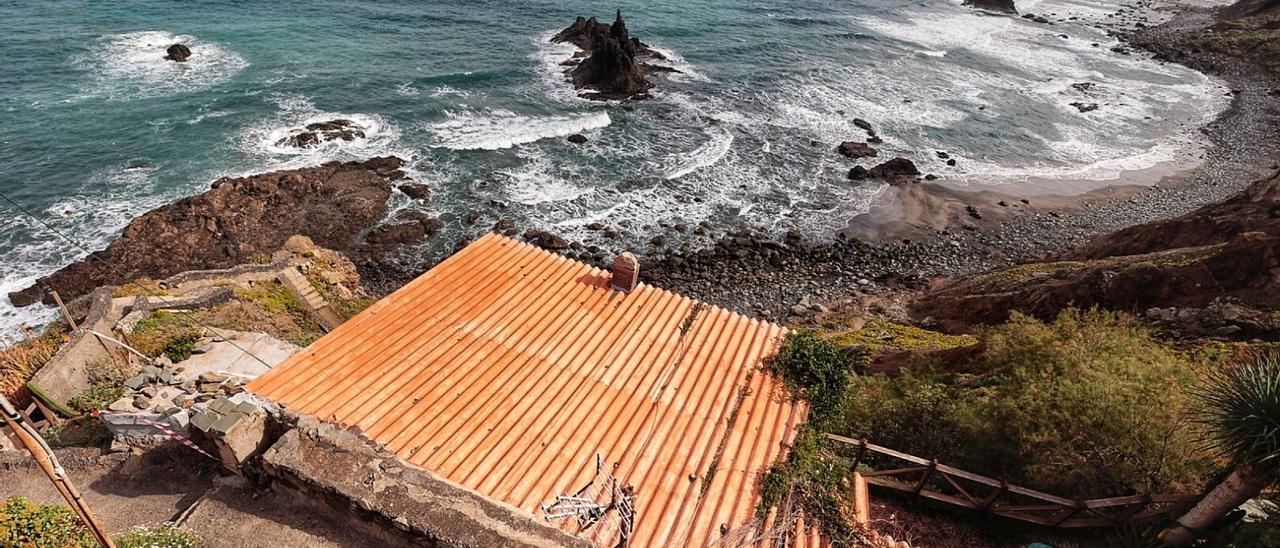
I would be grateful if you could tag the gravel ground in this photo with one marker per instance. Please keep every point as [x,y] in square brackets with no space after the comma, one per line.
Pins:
[126,492]
[760,276]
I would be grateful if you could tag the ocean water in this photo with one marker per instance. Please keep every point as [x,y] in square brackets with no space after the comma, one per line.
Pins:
[96,128]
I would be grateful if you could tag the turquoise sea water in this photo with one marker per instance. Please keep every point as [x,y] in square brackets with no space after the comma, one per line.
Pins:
[96,128]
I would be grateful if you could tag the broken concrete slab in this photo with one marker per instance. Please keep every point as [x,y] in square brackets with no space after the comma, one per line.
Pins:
[244,438]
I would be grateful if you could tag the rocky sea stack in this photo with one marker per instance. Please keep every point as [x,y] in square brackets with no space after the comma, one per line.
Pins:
[613,67]
[178,53]
[1002,6]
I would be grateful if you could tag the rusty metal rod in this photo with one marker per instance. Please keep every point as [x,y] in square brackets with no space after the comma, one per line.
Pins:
[49,464]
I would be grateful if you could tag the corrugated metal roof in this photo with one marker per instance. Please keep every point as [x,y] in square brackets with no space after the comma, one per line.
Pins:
[507,369]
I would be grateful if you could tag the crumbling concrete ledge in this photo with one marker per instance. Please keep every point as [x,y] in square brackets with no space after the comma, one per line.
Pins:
[393,501]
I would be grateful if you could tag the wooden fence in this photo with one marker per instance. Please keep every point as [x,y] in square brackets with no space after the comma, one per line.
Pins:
[929,479]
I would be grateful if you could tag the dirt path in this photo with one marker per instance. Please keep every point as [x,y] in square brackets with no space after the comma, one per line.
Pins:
[146,489]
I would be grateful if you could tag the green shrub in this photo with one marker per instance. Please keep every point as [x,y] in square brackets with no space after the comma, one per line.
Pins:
[812,368]
[106,385]
[158,536]
[169,333]
[1087,405]
[26,524]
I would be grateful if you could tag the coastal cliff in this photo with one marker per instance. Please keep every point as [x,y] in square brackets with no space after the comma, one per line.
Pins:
[1214,271]
[239,220]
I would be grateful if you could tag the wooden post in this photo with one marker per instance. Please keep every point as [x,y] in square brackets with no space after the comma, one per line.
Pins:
[928,473]
[862,449]
[66,314]
[991,499]
[39,450]
[861,500]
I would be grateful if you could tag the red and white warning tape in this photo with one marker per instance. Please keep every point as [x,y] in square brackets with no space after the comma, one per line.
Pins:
[167,431]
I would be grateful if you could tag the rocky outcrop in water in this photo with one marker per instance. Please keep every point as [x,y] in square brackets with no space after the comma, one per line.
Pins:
[178,53]
[315,134]
[1002,6]
[614,66]
[896,169]
[238,221]
[854,149]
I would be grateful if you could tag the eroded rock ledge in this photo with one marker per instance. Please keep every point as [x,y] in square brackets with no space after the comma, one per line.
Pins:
[239,220]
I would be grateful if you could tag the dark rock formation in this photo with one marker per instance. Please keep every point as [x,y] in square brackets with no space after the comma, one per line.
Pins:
[613,68]
[417,191]
[894,170]
[856,150]
[1085,107]
[577,138]
[897,167]
[238,221]
[1227,252]
[178,53]
[315,134]
[546,240]
[1002,6]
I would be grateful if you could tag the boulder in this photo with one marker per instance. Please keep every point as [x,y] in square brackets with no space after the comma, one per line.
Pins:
[577,138]
[417,191]
[178,53]
[897,167]
[546,240]
[1002,6]
[856,150]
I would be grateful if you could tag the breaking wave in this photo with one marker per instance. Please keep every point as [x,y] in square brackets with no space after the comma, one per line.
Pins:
[500,129]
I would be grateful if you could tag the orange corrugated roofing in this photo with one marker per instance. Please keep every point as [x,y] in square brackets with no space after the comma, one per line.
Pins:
[507,368]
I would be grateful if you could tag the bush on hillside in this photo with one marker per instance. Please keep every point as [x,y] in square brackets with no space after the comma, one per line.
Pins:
[812,368]
[1087,405]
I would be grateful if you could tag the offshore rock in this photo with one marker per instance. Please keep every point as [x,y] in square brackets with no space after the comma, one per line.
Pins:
[178,53]
[614,67]
[1002,6]
[319,133]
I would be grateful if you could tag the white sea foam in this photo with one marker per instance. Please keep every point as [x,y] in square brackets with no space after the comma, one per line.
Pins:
[687,72]
[448,91]
[706,155]
[406,89]
[207,115]
[537,181]
[498,129]
[132,65]
[548,57]
[261,140]
[93,215]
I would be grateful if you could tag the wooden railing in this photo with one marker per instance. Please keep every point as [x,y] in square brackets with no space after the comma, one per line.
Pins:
[929,479]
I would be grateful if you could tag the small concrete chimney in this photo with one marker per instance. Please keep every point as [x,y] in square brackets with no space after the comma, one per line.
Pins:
[626,272]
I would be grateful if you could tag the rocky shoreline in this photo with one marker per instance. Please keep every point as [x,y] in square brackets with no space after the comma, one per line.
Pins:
[758,275]
[243,220]
[925,230]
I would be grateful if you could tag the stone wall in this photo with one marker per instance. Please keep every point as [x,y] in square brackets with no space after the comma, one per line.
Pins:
[393,501]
